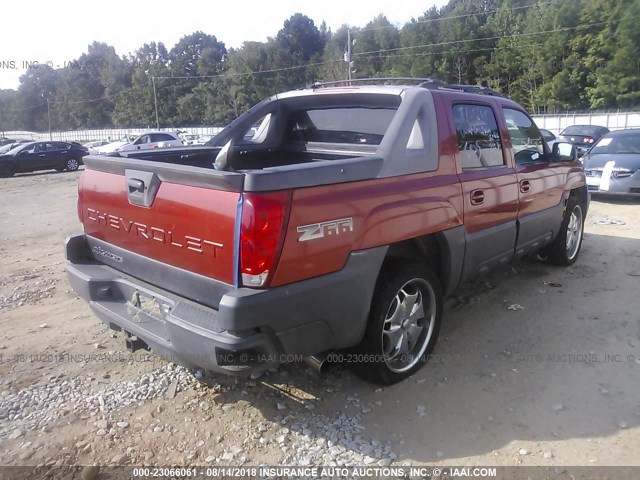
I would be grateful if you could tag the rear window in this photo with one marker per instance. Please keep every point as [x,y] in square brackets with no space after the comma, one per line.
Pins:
[352,125]
[581,130]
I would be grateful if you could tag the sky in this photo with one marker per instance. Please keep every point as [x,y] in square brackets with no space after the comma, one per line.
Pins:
[58,32]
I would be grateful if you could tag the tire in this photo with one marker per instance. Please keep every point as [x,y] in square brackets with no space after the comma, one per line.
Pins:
[565,248]
[72,165]
[7,170]
[393,347]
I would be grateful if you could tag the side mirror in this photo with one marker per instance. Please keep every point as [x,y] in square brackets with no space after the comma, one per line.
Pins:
[564,152]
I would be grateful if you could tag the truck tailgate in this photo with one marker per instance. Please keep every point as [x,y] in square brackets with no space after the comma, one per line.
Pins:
[180,216]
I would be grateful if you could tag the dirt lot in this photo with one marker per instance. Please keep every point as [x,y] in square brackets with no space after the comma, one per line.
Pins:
[554,383]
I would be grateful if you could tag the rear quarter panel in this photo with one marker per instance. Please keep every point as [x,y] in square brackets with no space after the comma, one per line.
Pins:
[384,211]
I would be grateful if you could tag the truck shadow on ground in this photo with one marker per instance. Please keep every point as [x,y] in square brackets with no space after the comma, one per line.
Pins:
[557,369]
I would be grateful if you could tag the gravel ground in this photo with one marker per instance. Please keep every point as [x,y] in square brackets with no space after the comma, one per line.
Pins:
[550,382]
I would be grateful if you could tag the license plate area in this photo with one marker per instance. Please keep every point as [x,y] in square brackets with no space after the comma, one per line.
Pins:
[142,304]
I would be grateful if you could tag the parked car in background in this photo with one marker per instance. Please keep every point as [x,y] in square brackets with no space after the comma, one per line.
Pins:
[112,146]
[153,140]
[34,156]
[613,164]
[548,137]
[5,141]
[189,138]
[93,146]
[203,139]
[583,137]
[10,146]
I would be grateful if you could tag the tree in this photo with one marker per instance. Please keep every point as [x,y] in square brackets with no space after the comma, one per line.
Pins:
[37,85]
[375,47]
[551,56]
[294,51]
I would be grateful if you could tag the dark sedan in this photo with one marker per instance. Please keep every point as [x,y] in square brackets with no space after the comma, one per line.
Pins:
[42,156]
[613,164]
[583,137]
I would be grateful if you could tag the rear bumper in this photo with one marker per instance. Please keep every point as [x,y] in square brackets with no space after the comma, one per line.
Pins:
[250,331]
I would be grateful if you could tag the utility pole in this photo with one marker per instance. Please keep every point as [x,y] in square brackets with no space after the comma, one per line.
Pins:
[49,115]
[349,56]
[155,101]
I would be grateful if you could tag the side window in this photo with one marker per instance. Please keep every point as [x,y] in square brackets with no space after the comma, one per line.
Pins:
[479,142]
[526,140]
[163,137]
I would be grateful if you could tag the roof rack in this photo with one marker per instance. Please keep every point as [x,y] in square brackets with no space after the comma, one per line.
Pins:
[358,81]
[430,83]
[433,84]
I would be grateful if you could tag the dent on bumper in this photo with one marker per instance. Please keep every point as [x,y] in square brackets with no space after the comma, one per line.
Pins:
[252,330]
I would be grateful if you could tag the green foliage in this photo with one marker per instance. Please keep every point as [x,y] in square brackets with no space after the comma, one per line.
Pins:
[552,56]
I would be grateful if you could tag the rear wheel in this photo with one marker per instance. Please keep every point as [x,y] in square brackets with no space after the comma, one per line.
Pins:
[565,248]
[72,165]
[7,169]
[403,324]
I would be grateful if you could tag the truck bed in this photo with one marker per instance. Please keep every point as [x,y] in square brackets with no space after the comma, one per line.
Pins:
[249,158]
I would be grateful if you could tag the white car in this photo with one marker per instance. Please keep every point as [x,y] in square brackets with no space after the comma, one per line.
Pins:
[189,138]
[94,146]
[202,139]
[111,147]
[152,140]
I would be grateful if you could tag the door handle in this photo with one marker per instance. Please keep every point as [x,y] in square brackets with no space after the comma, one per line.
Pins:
[525,186]
[41,155]
[477,197]
[135,185]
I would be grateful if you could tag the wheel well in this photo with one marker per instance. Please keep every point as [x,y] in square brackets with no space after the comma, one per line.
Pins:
[426,248]
[580,195]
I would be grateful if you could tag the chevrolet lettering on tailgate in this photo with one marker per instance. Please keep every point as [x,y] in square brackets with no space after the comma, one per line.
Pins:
[157,234]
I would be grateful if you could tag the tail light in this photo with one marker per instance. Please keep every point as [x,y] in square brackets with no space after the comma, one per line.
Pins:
[588,140]
[263,223]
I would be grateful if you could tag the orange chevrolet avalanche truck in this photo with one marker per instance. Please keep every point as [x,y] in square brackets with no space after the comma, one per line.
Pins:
[330,219]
